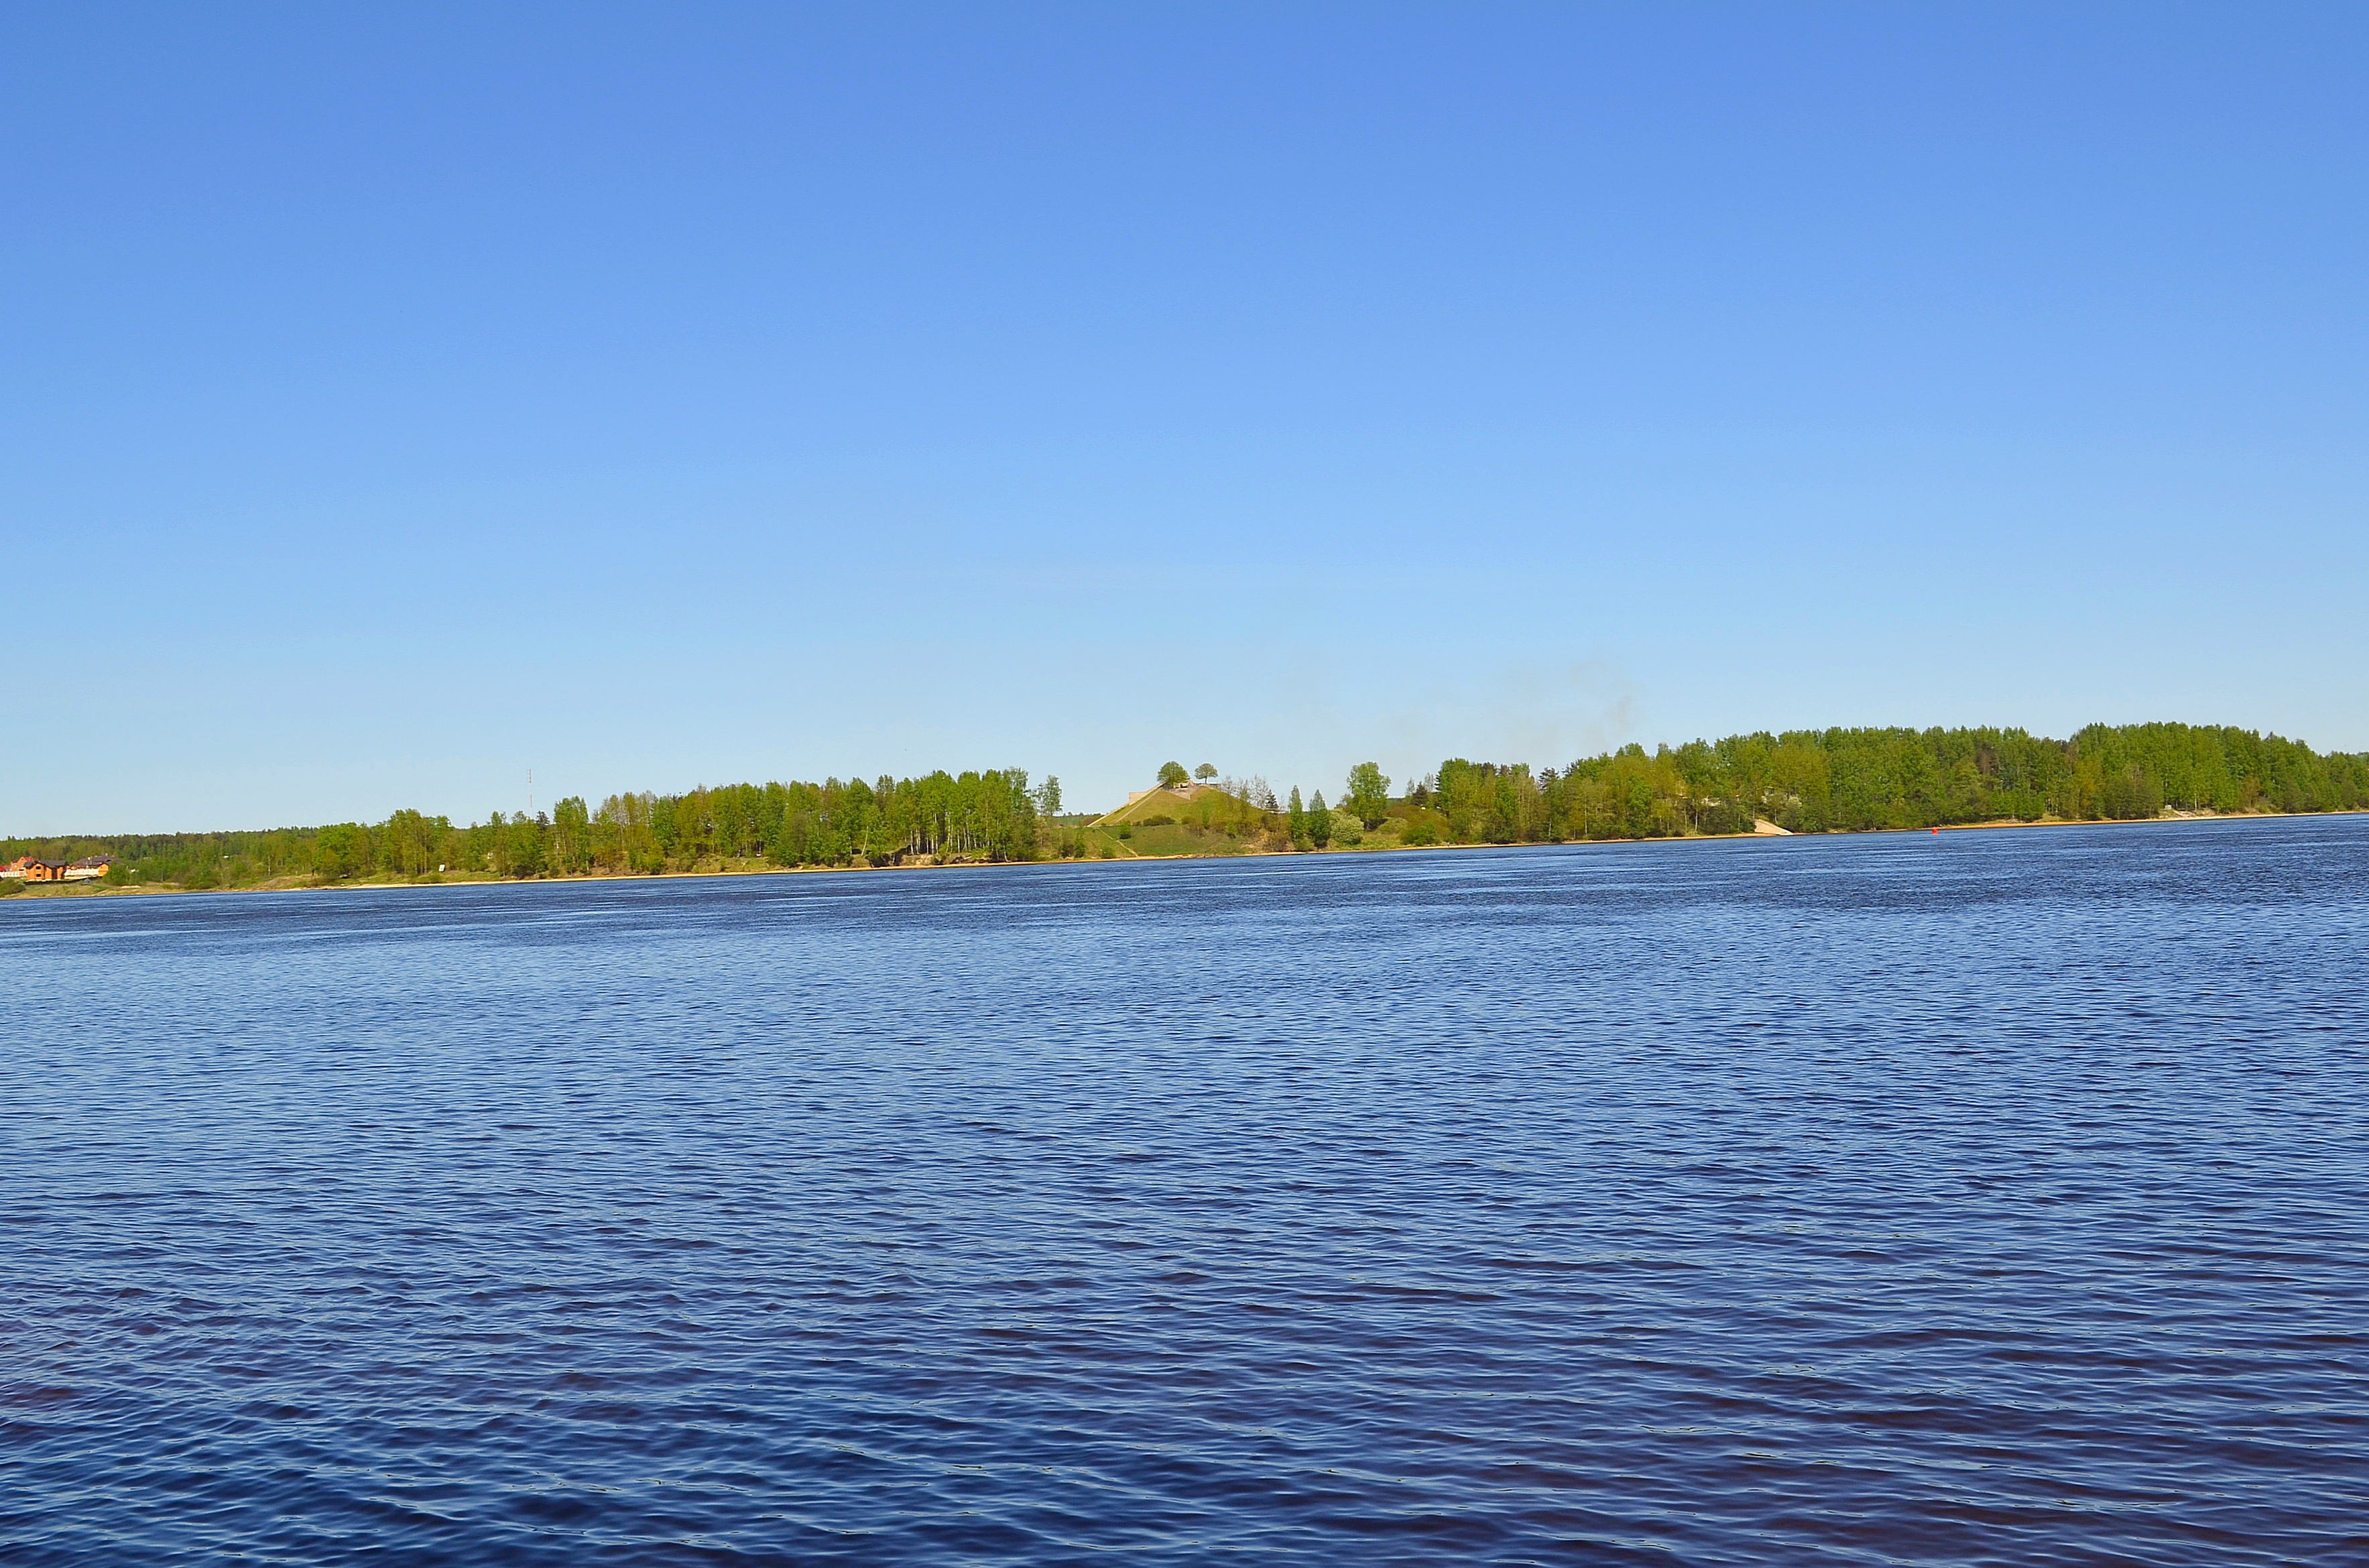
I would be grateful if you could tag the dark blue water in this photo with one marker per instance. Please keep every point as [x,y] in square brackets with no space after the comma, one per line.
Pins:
[1996,1197]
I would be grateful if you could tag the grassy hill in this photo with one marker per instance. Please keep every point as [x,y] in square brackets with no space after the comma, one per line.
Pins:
[1199,806]
[1196,819]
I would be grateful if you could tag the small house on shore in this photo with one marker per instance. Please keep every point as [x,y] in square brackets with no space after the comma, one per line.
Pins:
[32,868]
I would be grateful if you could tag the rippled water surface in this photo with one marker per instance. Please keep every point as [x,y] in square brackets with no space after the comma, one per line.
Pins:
[1989,1197]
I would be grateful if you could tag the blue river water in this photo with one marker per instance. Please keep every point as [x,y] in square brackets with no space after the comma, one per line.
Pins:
[1986,1197]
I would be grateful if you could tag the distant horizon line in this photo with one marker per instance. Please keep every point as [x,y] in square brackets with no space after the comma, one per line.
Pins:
[1661,747]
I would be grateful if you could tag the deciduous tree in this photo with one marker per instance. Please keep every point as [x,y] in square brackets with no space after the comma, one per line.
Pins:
[1369,794]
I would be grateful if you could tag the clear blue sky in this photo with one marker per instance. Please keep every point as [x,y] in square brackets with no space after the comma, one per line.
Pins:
[392,401]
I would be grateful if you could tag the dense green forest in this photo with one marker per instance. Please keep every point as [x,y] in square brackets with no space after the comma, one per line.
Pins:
[989,816]
[1850,780]
[1809,780]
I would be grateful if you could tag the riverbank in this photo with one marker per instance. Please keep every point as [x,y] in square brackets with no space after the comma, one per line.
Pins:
[306,884]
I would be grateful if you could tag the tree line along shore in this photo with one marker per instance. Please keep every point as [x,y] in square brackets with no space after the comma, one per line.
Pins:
[1802,782]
